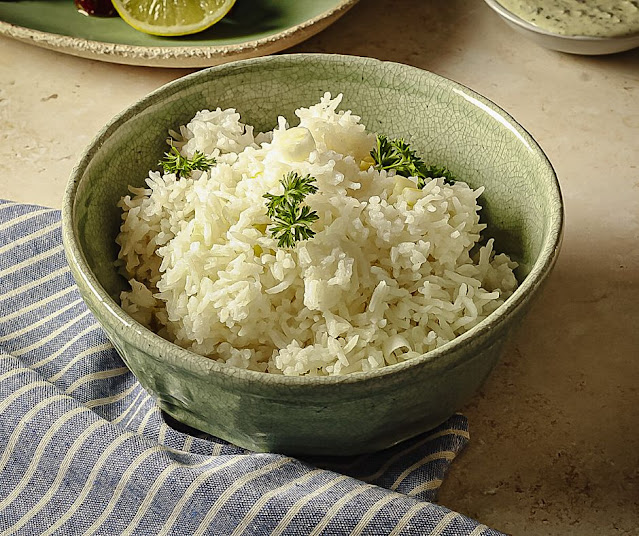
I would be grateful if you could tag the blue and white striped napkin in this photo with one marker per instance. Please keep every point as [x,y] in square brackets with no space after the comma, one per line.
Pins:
[85,450]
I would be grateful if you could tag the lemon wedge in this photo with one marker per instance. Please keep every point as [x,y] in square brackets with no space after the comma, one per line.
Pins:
[172,17]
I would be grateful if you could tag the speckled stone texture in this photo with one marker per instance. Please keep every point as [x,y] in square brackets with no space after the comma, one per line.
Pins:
[441,119]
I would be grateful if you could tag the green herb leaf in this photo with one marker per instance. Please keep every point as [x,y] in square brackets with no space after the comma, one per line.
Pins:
[174,162]
[296,188]
[291,219]
[397,155]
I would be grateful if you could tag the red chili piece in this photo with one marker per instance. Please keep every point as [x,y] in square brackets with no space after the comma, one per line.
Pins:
[96,8]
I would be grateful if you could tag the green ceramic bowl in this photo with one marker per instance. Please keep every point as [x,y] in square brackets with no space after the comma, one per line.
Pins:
[319,415]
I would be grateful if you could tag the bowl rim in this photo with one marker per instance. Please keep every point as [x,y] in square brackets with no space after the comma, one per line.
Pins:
[511,17]
[116,316]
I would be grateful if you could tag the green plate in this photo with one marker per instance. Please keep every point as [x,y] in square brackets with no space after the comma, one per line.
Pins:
[252,28]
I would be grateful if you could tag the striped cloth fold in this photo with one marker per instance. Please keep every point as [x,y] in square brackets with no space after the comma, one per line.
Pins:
[85,450]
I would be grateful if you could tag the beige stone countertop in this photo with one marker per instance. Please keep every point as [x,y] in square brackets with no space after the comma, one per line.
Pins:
[555,431]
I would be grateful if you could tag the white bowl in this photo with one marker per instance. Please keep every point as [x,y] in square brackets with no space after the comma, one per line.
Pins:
[573,44]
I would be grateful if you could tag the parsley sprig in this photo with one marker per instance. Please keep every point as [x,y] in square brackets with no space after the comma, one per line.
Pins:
[397,155]
[291,219]
[174,162]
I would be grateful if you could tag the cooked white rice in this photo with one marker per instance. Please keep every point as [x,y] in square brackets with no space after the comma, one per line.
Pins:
[388,276]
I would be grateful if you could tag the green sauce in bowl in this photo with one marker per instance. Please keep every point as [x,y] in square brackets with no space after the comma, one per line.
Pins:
[598,18]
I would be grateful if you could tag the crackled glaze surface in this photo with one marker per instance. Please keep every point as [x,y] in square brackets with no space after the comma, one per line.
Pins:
[450,123]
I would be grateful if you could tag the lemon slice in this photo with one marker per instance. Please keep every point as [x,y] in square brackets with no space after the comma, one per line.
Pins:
[172,17]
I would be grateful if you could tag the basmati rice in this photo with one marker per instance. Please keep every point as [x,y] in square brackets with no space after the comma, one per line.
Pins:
[388,276]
